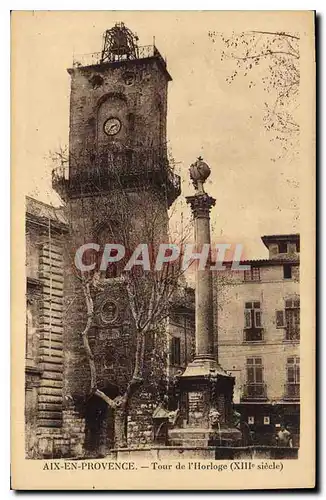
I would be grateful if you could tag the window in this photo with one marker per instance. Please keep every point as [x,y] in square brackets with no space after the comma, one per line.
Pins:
[292,319]
[253,324]
[280,322]
[293,376]
[287,271]
[297,245]
[89,257]
[252,274]
[255,387]
[293,370]
[175,351]
[108,234]
[254,371]
[282,247]
[112,267]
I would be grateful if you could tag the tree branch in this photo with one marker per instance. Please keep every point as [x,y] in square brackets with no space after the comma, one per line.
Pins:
[90,315]
[110,402]
[276,33]
[264,54]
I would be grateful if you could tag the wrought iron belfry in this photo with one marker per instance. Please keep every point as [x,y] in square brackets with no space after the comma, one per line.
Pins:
[119,43]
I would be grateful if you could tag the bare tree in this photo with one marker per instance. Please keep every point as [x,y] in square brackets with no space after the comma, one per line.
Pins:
[271,59]
[149,292]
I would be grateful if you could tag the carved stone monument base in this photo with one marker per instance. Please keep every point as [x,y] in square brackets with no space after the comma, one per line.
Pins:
[206,411]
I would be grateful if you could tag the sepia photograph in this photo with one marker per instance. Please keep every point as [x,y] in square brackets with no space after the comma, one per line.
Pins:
[163,186]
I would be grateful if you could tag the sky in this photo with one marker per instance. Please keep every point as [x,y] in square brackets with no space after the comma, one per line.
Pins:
[206,116]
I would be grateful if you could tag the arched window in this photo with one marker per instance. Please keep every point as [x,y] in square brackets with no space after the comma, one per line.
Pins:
[108,234]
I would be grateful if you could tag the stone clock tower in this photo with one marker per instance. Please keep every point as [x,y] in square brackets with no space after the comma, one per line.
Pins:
[117,144]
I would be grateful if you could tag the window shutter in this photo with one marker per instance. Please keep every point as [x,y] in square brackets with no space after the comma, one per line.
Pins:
[247,318]
[259,375]
[257,319]
[291,375]
[280,319]
[250,375]
[247,275]
[256,274]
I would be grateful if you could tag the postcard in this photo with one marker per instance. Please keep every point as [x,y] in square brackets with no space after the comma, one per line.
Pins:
[163,250]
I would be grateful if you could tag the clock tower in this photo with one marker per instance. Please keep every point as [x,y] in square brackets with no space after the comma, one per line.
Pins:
[117,151]
[118,108]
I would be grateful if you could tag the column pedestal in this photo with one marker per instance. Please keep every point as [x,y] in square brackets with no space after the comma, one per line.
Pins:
[205,395]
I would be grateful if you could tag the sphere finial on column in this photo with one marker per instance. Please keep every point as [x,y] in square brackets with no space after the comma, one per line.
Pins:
[199,173]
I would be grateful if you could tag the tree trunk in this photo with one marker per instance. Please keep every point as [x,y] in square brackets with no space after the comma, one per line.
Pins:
[120,424]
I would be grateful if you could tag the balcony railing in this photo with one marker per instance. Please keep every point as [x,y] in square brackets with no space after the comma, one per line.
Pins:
[111,169]
[292,391]
[293,335]
[253,392]
[95,58]
[253,334]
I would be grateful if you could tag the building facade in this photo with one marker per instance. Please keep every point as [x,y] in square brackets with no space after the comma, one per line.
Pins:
[258,324]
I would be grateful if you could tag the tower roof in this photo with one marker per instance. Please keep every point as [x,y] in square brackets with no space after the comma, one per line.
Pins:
[119,43]
[120,46]
[276,238]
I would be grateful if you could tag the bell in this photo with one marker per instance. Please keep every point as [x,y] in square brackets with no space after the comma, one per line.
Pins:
[120,43]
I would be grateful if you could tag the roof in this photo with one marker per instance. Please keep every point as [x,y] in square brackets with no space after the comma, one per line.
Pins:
[272,238]
[264,262]
[43,213]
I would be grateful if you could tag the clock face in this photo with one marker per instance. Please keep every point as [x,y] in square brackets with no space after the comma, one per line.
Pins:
[112,126]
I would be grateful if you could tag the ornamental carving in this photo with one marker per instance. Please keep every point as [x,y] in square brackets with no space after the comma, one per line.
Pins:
[201,205]
[109,311]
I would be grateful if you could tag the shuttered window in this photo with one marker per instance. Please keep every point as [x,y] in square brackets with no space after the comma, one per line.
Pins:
[252,274]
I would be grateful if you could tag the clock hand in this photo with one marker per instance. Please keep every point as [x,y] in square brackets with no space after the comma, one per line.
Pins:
[113,127]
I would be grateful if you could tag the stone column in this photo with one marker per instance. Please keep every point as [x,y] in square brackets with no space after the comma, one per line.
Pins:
[205,388]
[201,204]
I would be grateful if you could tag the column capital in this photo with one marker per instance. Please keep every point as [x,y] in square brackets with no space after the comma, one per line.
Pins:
[201,205]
